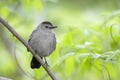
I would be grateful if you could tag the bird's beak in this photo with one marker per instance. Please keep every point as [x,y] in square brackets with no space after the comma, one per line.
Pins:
[53,27]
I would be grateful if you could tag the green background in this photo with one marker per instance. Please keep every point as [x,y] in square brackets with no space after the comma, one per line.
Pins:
[88,39]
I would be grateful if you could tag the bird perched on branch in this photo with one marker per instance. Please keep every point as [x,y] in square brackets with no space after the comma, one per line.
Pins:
[42,41]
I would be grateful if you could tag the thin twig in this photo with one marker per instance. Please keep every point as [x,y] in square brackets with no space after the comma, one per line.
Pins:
[28,47]
[112,35]
[4,78]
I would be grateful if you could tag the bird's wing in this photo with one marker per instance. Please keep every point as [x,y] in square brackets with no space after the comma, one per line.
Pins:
[32,35]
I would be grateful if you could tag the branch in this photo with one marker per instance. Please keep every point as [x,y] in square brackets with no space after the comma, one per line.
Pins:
[3,78]
[28,47]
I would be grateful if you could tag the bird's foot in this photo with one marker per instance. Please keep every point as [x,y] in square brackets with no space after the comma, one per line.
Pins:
[46,64]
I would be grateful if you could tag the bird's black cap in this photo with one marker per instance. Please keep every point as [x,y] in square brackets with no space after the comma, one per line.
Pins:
[47,22]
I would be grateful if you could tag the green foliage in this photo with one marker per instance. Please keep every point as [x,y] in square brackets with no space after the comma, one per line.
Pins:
[87,38]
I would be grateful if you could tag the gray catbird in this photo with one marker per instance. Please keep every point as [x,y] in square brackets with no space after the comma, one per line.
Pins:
[42,41]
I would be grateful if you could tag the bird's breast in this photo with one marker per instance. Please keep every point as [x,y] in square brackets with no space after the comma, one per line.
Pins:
[45,44]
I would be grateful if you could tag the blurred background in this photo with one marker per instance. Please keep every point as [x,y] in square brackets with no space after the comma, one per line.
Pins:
[88,37]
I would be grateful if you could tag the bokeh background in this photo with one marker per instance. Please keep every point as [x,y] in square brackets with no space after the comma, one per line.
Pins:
[88,39]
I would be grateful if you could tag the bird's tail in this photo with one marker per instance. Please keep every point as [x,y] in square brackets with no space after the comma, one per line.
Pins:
[35,63]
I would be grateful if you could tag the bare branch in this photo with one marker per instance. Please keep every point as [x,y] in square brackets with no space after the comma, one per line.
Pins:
[3,78]
[28,47]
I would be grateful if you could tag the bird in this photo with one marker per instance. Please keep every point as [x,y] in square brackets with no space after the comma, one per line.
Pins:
[42,41]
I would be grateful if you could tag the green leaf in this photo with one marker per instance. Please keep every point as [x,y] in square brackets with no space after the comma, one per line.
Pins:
[69,65]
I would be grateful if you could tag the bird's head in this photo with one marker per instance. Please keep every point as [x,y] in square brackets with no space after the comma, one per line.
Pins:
[47,26]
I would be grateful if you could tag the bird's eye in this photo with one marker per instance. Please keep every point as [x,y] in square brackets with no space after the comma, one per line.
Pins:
[46,26]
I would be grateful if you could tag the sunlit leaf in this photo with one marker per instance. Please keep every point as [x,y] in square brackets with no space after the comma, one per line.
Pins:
[69,65]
